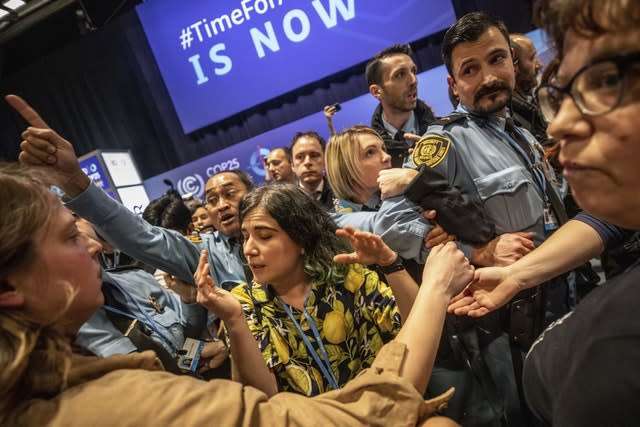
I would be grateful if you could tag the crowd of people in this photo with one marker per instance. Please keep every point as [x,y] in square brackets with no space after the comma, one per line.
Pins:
[418,258]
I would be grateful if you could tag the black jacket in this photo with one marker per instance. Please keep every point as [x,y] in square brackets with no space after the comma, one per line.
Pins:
[396,145]
[529,117]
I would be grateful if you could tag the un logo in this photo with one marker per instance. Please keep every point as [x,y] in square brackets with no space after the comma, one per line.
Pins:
[193,184]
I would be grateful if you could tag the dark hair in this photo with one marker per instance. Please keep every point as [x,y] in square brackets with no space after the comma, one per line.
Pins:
[373,71]
[242,175]
[306,223]
[286,151]
[308,134]
[469,28]
[587,18]
[168,211]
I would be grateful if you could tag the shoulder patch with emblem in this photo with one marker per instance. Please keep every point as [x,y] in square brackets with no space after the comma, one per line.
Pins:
[431,150]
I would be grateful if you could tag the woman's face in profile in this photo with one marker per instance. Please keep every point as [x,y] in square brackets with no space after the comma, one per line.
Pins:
[65,266]
[600,153]
[274,258]
[372,159]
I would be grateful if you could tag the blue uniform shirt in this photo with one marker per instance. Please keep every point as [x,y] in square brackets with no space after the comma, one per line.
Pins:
[134,288]
[164,249]
[475,154]
[398,221]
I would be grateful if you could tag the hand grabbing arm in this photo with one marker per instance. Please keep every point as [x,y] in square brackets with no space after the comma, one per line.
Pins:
[393,182]
[503,250]
[494,287]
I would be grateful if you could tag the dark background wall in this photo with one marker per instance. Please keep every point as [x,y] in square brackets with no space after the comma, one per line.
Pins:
[101,88]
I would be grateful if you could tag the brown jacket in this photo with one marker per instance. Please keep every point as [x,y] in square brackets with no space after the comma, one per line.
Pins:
[127,390]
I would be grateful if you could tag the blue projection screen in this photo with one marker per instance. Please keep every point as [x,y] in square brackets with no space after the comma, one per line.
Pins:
[220,57]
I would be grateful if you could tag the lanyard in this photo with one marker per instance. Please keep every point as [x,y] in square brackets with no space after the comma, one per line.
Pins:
[323,364]
[147,320]
[537,174]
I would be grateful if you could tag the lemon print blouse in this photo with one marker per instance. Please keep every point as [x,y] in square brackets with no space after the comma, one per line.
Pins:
[354,319]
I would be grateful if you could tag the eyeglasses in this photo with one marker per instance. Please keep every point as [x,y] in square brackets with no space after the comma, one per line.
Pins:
[596,89]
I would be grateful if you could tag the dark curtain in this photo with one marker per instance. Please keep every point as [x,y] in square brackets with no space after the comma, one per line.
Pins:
[105,91]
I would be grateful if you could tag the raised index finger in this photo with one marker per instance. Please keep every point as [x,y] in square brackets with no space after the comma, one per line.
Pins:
[25,110]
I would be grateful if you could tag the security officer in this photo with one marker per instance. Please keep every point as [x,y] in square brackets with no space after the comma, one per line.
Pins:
[481,151]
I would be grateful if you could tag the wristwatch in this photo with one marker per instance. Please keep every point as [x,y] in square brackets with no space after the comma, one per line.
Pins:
[396,265]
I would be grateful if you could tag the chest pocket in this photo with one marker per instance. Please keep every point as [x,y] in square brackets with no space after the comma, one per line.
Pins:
[168,317]
[511,199]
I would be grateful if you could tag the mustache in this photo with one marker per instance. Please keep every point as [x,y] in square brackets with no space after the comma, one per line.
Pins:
[486,90]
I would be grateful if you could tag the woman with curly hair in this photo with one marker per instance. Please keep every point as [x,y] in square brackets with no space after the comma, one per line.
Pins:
[317,323]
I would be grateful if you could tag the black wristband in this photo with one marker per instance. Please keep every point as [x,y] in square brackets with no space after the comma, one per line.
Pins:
[396,265]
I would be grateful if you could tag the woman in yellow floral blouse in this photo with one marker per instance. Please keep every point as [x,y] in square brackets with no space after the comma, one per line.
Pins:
[317,322]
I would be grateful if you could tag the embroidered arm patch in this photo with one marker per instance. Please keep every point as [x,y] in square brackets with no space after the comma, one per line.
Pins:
[431,150]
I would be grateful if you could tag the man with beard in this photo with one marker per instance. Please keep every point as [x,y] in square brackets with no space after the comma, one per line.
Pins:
[391,76]
[480,150]
[527,67]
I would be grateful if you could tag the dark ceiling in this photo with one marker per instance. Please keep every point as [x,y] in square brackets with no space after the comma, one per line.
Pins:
[42,26]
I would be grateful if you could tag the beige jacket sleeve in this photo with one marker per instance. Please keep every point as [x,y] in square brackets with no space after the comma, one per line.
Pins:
[377,397]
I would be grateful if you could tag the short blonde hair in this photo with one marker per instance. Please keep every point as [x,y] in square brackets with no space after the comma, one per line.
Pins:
[342,161]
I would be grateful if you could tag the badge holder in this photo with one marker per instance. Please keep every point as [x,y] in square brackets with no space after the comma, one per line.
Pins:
[550,221]
[189,355]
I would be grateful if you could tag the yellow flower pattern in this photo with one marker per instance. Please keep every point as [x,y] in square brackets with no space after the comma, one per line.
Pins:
[354,318]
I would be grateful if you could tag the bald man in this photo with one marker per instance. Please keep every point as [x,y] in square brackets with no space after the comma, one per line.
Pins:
[527,67]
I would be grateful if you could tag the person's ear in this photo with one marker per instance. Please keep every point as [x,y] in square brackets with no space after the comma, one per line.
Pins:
[10,297]
[375,90]
[452,84]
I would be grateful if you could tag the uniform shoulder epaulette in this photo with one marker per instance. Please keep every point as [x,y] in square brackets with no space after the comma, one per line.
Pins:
[447,120]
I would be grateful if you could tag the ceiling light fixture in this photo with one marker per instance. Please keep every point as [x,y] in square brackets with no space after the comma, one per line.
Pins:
[14,4]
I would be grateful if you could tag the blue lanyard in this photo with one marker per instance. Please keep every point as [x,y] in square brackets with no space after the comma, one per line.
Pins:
[324,364]
[147,320]
[537,174]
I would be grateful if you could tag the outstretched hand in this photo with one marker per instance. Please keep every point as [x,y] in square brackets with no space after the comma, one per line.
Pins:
[217,300]
[41,146]
[492,287]
[369,248]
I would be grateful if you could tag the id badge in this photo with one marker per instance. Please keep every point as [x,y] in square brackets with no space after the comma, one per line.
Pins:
[550,220]
[189,356]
